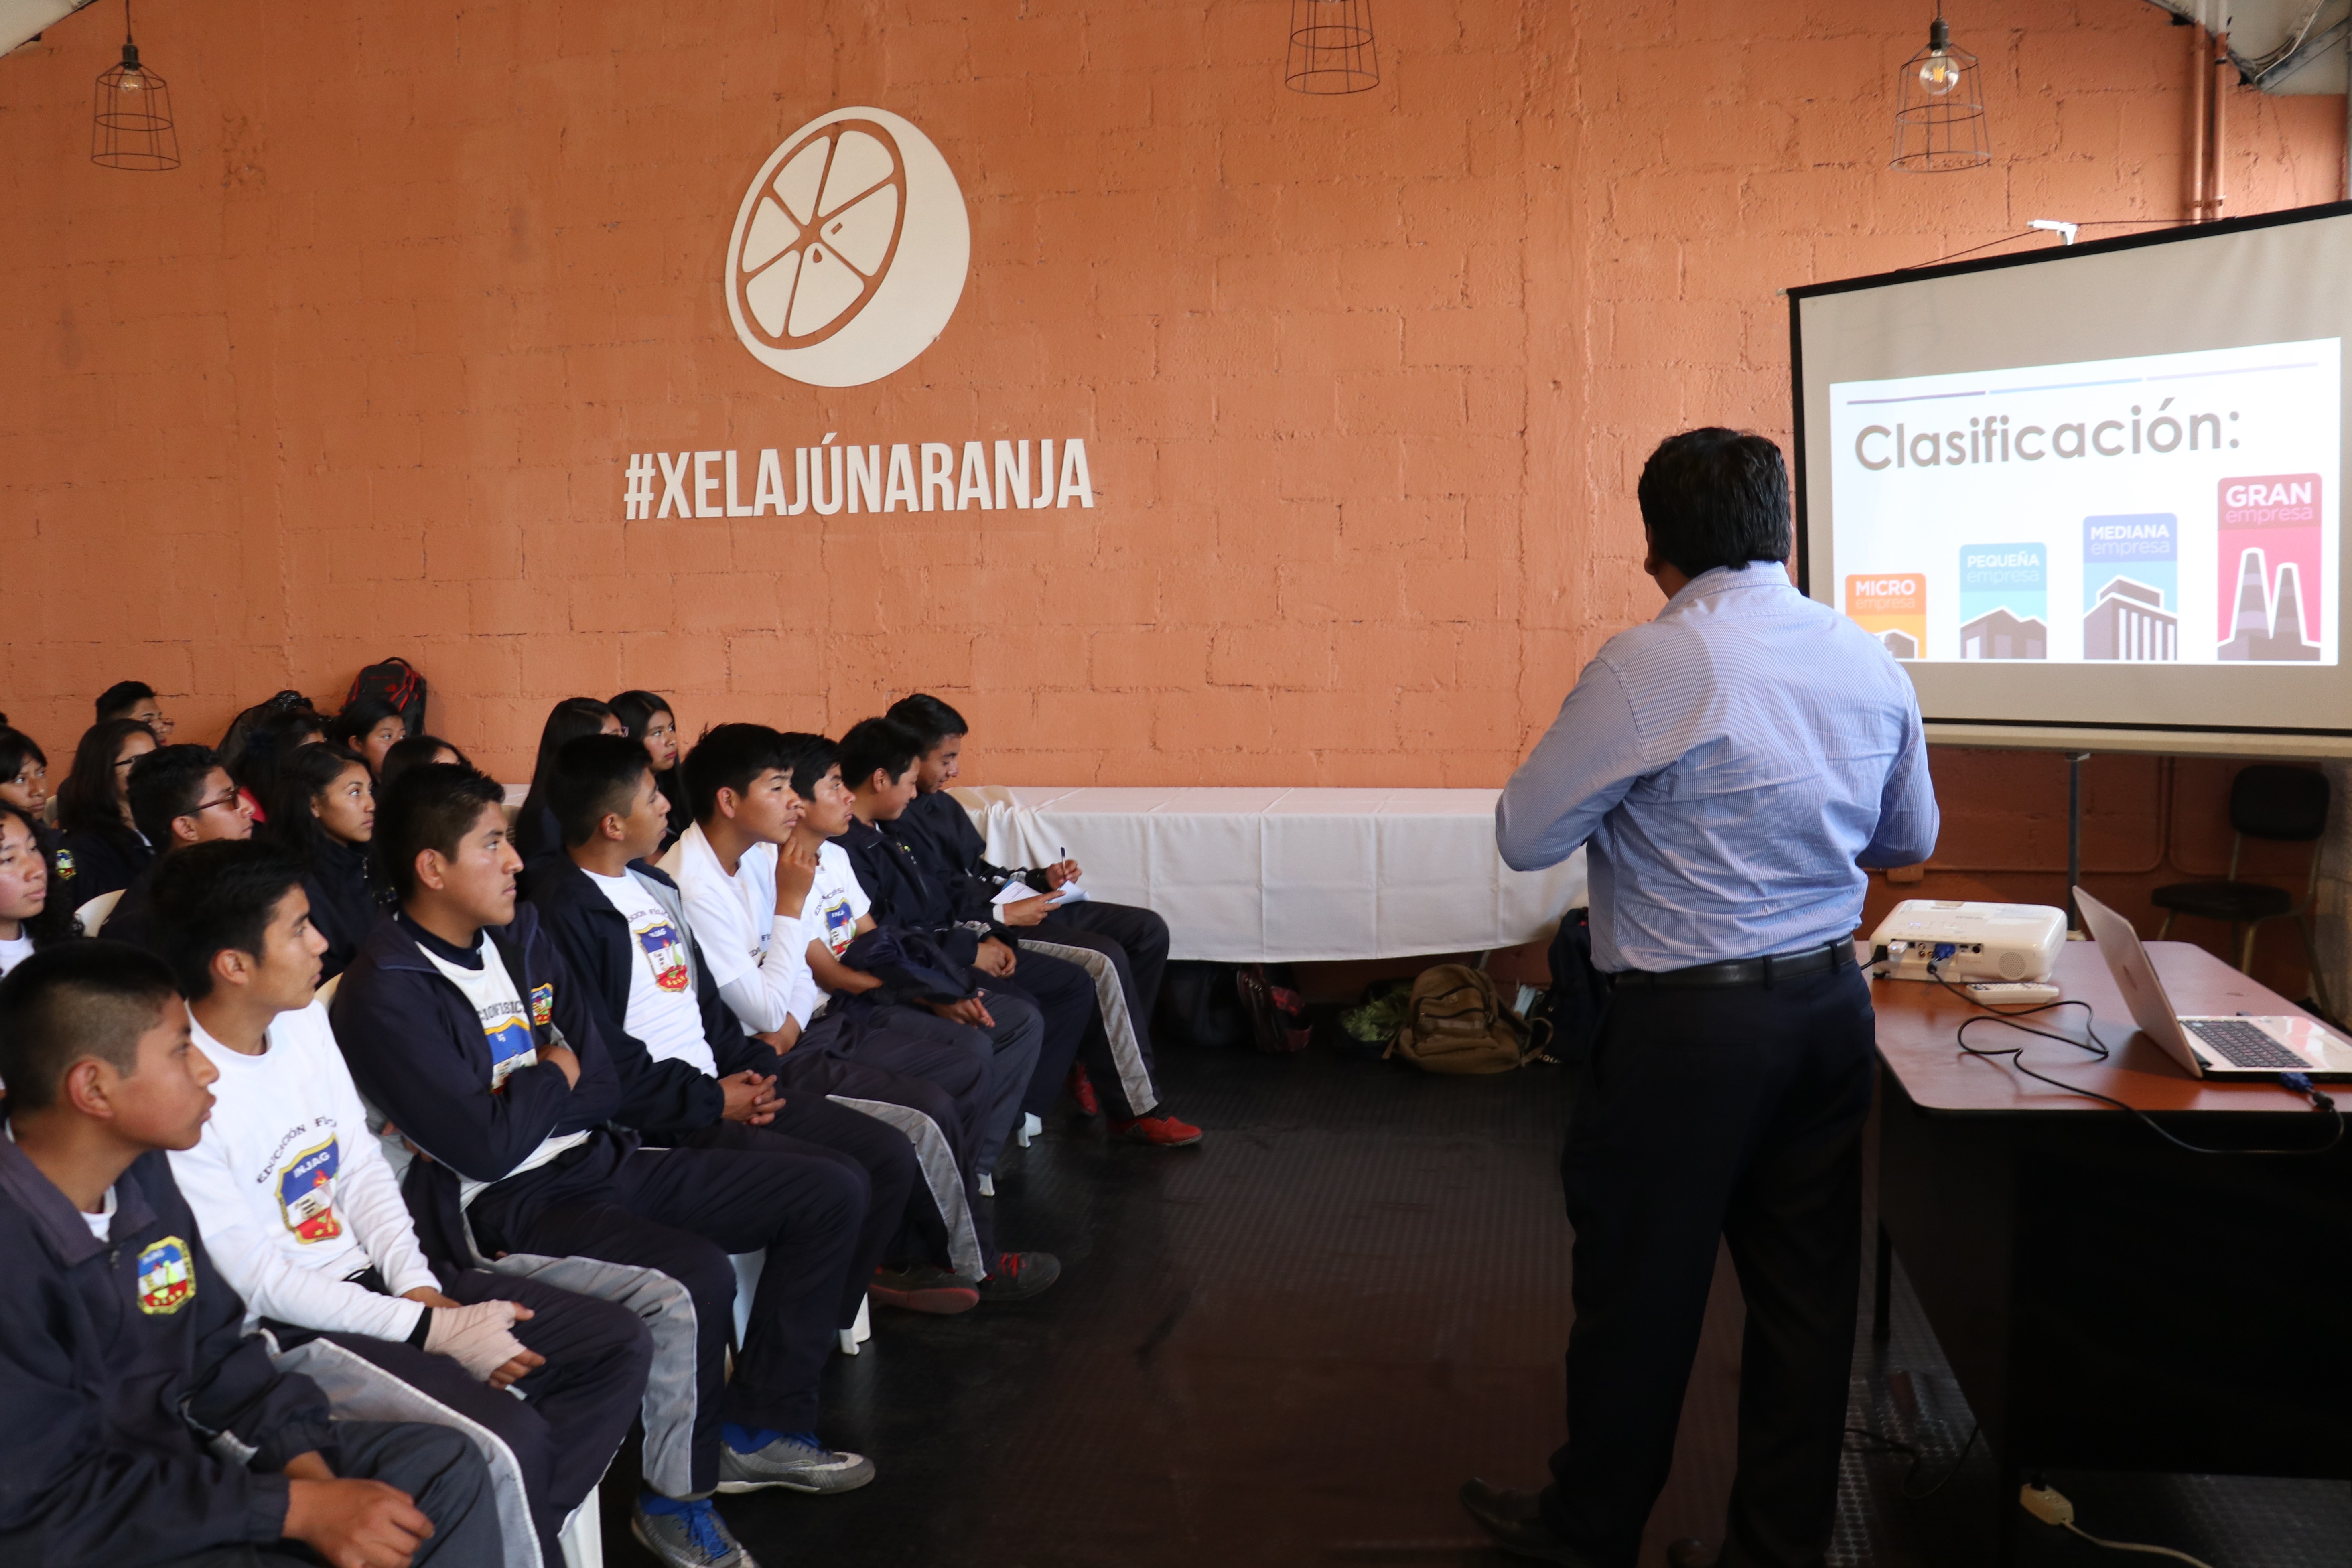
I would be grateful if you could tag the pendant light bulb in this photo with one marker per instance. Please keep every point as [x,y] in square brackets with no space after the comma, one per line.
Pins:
[1940,72]
[131,80]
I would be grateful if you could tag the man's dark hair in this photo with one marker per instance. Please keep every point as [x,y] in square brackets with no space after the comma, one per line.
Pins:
[879,745]
[932,720]
[166,784]
[593,776]
[414,752]
[730,756]
[1715,497]
[214,896]
[811,758]
[433,806]
[118,699]
[82,999]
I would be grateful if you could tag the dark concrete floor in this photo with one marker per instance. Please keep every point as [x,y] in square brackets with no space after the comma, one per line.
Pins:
[1292,1343]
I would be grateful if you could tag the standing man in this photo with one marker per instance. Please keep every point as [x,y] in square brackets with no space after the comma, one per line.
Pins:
[1731,766]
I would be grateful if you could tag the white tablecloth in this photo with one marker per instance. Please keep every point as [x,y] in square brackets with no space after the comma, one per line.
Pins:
[1277,875]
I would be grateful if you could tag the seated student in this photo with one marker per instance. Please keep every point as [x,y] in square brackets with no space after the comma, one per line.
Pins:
[408,753]
[879,760]
[303,1217]
[324,815]
[535,832]
[690,1076]
[100,851]
[745,882]
[371,726]
[463,1025]
[24,781]
[1134,941]
[29,920]
[134,700]
[145,1428]
[179,796]
[261,739]
[837,912]
[648,720]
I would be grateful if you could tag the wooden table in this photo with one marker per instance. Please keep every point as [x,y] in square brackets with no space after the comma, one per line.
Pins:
[2107,1300]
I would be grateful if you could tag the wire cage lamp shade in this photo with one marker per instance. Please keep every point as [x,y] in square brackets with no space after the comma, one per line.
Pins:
[1331,47]
[131,126]
[1939,118]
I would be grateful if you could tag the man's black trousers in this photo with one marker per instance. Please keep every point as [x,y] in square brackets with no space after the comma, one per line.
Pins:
[1734,1112]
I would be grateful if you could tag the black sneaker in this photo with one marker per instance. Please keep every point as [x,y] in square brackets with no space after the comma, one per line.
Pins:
[1020,1275]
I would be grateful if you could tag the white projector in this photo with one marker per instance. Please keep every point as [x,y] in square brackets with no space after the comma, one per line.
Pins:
[1967,940]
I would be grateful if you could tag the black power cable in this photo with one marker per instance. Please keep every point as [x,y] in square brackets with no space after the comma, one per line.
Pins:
[2295,1082]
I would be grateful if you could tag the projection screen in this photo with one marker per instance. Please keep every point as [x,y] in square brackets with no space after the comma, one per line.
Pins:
[2093,488]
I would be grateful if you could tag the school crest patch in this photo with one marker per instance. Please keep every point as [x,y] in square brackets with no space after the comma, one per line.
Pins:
[166,1280]
[543,1006]
[666,952]
[306,1192]
[64,866]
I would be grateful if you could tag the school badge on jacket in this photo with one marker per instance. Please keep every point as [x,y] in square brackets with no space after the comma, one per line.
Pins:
[543,1006]
[306,1192]
[166,1281]
[667,954]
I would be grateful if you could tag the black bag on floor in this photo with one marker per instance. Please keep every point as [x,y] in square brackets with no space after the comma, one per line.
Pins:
[1570,1012]
[1200,1005]
[1278,1014]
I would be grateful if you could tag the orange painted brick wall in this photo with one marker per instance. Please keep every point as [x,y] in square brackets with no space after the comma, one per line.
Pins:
[1364,382]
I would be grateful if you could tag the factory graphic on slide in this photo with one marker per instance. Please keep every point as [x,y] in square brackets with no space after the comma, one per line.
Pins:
[1891,606]
[2131,587]
[2004,601]
[2270,549]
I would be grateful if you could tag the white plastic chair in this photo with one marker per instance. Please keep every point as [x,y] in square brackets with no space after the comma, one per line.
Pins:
[582,1535]
[93,914]
[326,991]
[747,1282]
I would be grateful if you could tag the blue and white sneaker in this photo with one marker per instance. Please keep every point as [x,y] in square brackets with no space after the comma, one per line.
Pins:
[793,1460]
[687,1534]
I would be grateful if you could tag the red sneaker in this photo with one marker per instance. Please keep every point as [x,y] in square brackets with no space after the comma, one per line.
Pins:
[1159,1131]
[923,1289]
[1082,1089]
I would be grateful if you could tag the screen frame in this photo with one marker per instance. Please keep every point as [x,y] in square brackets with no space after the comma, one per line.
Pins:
[1798,474]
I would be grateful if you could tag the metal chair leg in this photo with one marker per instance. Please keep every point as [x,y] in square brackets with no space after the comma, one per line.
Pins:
[2246,947]
[2311,953]
[2165,929]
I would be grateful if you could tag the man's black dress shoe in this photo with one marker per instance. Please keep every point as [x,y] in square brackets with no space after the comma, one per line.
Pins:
[1514,1518]
[1689,1553]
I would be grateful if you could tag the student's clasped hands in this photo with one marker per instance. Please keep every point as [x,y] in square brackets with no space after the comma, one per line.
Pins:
[350,1524]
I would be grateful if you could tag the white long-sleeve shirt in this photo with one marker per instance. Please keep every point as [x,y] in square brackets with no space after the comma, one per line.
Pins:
[293,1195]
[759,958]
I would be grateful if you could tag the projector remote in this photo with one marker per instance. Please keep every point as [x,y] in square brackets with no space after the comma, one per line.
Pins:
[1993,993]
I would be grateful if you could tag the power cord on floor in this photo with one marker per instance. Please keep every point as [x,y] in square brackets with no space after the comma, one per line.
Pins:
[2051,1506]
[1887,1445]
[2295,1082]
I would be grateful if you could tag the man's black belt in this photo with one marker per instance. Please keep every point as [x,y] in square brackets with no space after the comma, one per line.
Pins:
[1741,971]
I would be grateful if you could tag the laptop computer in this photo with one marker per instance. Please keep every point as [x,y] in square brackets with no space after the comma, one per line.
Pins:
[2215,1047]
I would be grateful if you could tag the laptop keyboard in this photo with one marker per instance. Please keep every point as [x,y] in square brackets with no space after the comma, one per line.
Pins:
[2243,1044]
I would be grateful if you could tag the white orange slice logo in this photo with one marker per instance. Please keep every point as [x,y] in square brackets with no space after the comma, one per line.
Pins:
[849,250]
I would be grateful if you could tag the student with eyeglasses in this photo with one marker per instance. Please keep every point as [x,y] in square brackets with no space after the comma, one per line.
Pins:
[180,795]
[134,700]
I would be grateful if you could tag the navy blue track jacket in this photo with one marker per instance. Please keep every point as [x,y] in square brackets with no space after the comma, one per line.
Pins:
[952,853]
[142,1424]
[904,895]
[416,1052]
[662,1099]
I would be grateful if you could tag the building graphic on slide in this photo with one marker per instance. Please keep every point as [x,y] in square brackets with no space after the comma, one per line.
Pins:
[1891,606]
[2004,601]
[2130,622]
[2266,628]
[2268,537]
[2131,587]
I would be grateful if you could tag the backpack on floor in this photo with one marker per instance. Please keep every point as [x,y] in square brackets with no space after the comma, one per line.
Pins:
[396,681]
[1277,1015]
[1198,1005]
[1456,1022]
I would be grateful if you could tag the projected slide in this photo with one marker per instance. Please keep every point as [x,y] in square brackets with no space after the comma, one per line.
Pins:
[2171,509]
